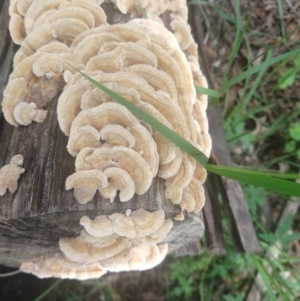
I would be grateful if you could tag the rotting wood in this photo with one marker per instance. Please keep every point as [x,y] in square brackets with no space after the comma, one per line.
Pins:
[41,211]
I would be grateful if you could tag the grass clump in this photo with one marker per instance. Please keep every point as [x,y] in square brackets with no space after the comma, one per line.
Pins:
[261,119]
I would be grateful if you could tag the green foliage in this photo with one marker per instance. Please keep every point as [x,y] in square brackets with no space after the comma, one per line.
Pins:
[182,278]
[282,235]
[253,70]
[198,2]
[288,77]
[238,297]
[235,131]
[48,290]
[206,270]
[292,145]
[294,131]
[255,197]
[209,92]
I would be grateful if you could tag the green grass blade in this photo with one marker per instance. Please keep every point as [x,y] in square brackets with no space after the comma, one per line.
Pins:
[155,124]
[247,95]
[264,275]
[253,172]
[257,68]
[47,291]
[198,2]
[257,178]
[281,18]
[142,9]
[238,35]
[209,92]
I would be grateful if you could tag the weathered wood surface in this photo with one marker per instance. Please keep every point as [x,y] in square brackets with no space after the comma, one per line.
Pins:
[41,211]
[234,203]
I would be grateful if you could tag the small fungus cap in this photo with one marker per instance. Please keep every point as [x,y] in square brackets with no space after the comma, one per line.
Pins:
[9,175]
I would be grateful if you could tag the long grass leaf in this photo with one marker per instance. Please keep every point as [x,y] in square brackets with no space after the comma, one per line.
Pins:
[257,179]
[48,290]
[238,35]
[247,96]
[209,92]
[155,124]
[264,275]
[253,172]
[282,26]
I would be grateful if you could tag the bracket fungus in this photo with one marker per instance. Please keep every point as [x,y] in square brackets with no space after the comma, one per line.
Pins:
[108,243]
[117,154]
[10,174]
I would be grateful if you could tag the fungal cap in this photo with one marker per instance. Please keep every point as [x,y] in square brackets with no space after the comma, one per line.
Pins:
[9,175]
[25,113]
[118,179]
[99,227]
[85,184]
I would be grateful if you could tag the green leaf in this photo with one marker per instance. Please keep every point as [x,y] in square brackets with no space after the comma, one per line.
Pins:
[294,131]
[297,61]
[287,78]
[257,178]
[269,238]
[285,225]
[290,146]
[238,297]
[285,240]
[255,197]
[265,276]
[248,140]
[198,2]
[253,172]
[209,92]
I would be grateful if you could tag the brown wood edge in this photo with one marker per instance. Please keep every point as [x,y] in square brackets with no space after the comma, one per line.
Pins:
[234,203]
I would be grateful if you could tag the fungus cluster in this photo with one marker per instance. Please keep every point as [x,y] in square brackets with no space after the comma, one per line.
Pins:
[114,243]
[44,30]
[149,70]
[10,174]
[151,67]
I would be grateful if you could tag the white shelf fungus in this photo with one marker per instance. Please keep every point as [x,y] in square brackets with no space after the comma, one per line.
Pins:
[153,68]
[114,243]
[10,174]
[170,97]
[56,267]
[85,184]
[40,61]
[150,70]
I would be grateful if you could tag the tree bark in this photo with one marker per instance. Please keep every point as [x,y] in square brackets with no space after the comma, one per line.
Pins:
[41,210]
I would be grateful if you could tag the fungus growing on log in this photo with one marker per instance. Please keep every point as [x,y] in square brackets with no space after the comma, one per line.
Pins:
[10,174]
[111,243]
[117,154]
